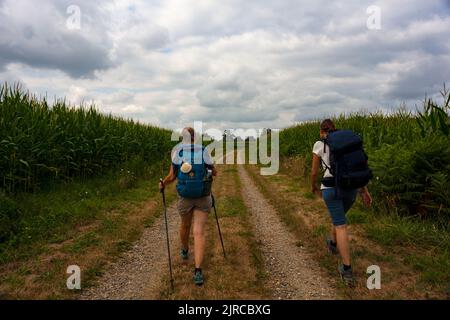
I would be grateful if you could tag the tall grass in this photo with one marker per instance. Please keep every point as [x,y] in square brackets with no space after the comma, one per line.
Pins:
[41,144]
[408,151]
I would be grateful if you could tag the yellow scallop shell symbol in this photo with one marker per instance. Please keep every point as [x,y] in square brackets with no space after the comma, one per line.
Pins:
[186,167]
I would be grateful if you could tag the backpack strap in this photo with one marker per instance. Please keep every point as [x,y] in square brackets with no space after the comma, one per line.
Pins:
[324,140]
[325,165]
[335,174]
[325,151]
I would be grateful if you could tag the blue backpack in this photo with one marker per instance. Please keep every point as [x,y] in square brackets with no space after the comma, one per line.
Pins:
[348,161]
[196,183]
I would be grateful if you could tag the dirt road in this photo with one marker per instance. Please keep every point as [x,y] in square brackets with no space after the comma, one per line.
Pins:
[290,273]
[138,274]
[293,272]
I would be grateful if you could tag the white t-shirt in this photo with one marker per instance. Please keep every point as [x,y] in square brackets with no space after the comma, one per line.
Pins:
[318,150]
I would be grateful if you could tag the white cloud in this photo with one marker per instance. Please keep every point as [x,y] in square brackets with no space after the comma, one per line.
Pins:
[133,109]
[230,63]
[77,95]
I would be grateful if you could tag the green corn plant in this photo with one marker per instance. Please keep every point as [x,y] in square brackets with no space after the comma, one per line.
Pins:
[434,118]
[407,150]
[42,143]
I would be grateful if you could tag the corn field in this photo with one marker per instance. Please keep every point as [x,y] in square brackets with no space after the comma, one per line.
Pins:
[409,153]
[40,143]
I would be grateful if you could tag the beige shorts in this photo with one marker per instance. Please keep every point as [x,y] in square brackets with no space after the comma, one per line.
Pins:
[185,205]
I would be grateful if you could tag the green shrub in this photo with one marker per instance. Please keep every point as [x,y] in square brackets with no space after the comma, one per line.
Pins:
[414,177]
[8,217]
[409,153]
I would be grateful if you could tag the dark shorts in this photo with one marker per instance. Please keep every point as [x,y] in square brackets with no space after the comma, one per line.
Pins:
[339,205]
[185,205]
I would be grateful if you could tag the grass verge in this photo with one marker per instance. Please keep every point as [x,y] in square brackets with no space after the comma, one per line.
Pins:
[88,224]
[413,255]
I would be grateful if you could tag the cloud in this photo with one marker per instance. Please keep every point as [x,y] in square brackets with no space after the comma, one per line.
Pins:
[427,76]
[39,37]
[227,93]
[77,95]
[172,62]
[133,109]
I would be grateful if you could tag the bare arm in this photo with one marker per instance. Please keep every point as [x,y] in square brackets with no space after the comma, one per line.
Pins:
[366,197]
[171,177]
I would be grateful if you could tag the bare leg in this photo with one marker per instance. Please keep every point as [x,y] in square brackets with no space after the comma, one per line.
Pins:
[185,229]
[333,233]
[342,244]
[200,219]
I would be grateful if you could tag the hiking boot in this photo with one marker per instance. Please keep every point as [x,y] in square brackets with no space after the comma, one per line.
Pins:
[332,247]
[347,276]
[198,278]
[184,254]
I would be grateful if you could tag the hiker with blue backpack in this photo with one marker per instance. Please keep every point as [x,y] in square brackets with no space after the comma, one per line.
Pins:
[346,172]
[192,166]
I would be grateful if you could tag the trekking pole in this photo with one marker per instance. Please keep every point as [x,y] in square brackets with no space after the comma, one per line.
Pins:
[167,233]
[218,225]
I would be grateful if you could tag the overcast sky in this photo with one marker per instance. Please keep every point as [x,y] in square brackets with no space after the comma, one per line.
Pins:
[229,63]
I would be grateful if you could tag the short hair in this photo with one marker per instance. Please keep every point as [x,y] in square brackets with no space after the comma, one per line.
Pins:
[327,126]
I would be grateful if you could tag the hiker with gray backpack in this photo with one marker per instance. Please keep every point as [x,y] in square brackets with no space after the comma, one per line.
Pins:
[192,166]
[346,172]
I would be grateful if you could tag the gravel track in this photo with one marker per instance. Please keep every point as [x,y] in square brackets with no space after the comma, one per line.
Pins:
[292,273]
[138,274]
